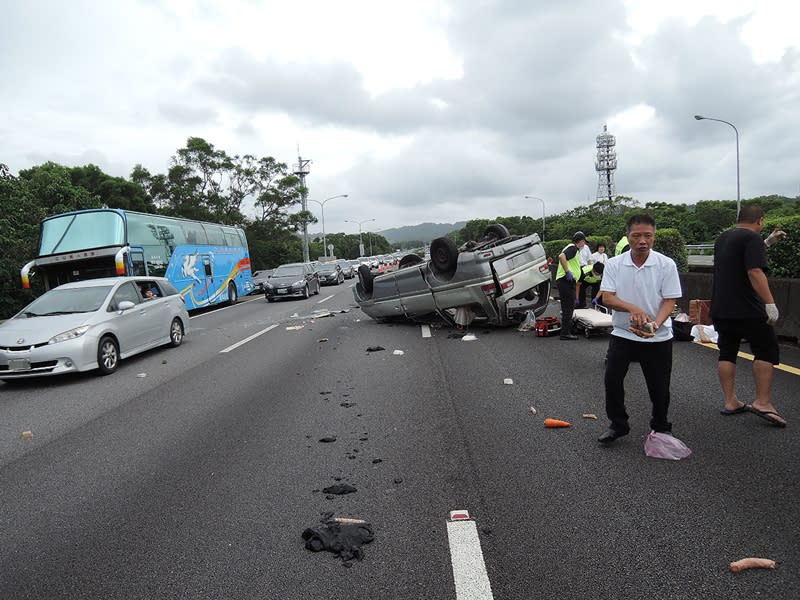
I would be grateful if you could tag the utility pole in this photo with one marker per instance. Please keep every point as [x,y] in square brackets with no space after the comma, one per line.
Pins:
[301,169]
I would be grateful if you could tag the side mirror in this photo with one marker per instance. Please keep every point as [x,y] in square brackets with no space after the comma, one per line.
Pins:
[125,305]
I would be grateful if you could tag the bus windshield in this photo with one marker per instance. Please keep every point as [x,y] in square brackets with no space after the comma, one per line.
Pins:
[81,231]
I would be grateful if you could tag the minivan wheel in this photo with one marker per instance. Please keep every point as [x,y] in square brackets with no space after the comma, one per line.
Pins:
[305,292]
[107,355]
[175,333]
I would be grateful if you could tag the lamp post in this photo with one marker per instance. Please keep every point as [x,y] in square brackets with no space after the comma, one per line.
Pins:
[322,206]
[542,201]
[738,194]
[360,240]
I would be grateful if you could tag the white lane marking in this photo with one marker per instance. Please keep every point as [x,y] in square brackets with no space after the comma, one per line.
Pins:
[469,570]
[217,310]
[426,330]
[247,339]
[326,299]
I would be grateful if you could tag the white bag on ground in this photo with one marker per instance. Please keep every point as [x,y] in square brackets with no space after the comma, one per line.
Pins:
[704,333]
[663,445]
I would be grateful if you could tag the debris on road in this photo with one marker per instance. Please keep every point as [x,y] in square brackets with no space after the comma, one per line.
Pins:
[398,353]
[375,348]
[294,327]
[339,489]
[589,416]
[508,381]
[141,375]
[26,435]
[664,445]
[328,440]
[533,410]
[322,340]
[470,337]
[342,539]
[752,563]
[553,423]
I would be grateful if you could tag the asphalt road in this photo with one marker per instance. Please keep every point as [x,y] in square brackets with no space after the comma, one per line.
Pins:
[197,479]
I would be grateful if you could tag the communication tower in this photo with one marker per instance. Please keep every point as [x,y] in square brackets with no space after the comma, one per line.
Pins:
[606,164]
[301,169]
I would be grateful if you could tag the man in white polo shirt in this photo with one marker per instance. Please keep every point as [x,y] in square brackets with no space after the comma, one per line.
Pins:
[641,287]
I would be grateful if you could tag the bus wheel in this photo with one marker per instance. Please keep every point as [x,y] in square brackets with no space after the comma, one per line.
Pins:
[232,295]
[107,355]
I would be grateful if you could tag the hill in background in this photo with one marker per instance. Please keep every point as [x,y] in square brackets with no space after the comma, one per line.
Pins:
[424,232]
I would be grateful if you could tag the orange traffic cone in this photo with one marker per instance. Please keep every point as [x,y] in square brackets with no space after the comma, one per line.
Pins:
[556,423]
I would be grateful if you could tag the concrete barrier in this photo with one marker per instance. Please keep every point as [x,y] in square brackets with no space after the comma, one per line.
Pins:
[785,291]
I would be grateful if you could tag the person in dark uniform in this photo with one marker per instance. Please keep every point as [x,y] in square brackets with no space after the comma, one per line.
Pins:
[590,278]
[569,270]
[742,307]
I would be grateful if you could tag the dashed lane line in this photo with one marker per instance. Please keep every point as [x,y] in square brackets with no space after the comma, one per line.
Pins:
[326,299]
[469,570]
[745,355]
[248,339]
[426,330]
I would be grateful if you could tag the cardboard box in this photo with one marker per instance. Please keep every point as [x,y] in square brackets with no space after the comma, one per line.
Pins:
[700,312]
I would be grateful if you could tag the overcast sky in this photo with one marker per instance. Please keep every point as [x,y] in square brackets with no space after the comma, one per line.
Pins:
[421,110]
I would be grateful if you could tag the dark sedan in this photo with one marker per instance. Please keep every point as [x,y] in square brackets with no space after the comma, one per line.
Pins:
[294,279]
[330,274]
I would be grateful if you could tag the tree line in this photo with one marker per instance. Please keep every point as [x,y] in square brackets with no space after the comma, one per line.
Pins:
[206,183]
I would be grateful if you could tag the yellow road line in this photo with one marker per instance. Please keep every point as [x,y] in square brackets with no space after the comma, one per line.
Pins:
[781,366]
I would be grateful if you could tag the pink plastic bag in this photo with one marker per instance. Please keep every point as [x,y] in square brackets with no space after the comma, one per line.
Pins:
[663,445]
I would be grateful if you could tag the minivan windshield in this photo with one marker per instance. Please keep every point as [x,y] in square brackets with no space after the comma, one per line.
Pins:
[63,302]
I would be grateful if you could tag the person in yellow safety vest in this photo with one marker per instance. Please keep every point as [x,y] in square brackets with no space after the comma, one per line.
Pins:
[622,246]
[591,275]
[569,270]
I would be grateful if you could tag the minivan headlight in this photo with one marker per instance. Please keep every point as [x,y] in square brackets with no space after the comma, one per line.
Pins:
[69,335]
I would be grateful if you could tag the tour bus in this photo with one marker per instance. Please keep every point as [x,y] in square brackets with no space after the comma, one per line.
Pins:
[209,263]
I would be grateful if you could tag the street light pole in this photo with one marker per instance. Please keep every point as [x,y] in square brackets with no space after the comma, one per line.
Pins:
[738,192]
[322,206]
[542,201]
[360,240]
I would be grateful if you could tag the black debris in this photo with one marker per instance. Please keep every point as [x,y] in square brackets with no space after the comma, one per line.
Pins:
[328,440]
[398,481]
[375,348]
[325,393]
[344,540]
[339,489]
[347,404]
[364,439]
[375,461]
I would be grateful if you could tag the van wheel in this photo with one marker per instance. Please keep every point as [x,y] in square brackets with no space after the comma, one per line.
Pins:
[305,292]
[444,256]
[175,333]
[233,295]
[107,355]
[497,231]
[365,277]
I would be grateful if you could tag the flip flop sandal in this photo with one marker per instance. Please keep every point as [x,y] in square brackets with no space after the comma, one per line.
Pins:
[765,414]
[736,411]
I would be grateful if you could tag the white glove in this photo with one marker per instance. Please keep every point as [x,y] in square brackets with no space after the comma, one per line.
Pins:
[772,314]
[774,237]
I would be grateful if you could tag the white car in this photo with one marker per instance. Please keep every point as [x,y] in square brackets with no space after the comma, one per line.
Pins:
[91,324]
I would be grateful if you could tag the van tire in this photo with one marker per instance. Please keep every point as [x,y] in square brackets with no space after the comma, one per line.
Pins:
[444,256]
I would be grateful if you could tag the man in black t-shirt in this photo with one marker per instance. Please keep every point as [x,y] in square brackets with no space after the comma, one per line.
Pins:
[742,307]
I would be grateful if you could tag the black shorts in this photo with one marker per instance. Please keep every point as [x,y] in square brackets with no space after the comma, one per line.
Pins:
[761,337]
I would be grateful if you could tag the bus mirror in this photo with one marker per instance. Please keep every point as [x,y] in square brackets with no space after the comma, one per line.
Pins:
[125,305]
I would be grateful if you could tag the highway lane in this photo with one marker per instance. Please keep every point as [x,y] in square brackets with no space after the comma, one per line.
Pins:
[197,480]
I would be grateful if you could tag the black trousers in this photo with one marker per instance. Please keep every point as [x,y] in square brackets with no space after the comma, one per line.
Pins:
[656,361]
[592,288]
[566,293]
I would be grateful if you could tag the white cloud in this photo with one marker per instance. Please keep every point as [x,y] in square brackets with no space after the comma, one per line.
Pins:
[426,110]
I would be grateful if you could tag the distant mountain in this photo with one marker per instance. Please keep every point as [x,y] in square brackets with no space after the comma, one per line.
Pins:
[424,232]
